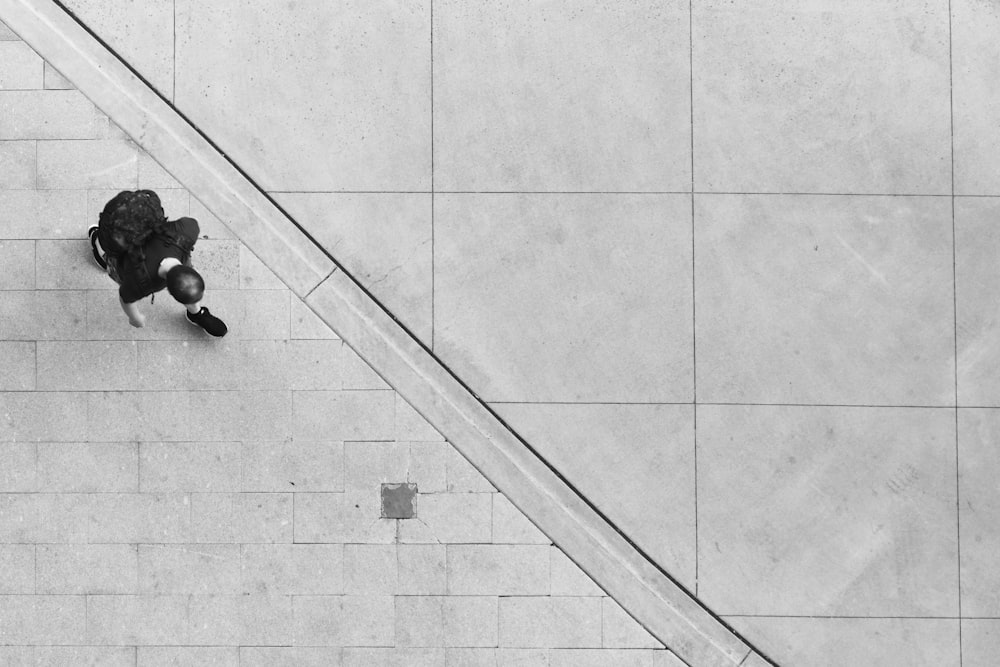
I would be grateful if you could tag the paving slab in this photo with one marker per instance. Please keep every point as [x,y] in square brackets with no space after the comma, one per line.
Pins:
[824,300]
[50,114]
[976,237]
[831,511]
[980,641]
[609,313]
[821,97]
[543,97]
[18,159]
[22,67]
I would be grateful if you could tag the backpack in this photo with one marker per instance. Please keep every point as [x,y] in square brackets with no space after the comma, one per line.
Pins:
[127,224]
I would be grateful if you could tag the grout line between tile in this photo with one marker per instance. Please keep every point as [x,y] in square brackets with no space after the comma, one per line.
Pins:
[173,84]
[433,183]
[954,303]
[694,291]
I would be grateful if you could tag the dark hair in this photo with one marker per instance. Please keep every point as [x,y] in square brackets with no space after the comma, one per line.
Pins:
[185,284]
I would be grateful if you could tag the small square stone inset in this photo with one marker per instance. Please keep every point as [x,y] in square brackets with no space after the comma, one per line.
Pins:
[399,501]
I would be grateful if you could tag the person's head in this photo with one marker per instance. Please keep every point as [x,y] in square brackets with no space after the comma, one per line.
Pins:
[185,284]
[134,216]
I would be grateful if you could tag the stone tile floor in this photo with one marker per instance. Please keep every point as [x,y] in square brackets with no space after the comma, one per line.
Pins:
[171,499]
[672,242]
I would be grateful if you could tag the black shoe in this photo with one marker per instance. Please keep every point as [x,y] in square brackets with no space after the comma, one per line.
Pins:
[209,322]
[92,235]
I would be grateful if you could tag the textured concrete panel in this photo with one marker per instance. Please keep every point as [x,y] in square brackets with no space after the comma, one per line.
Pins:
[241,517]
[19,265]
[239,620]
[832,300]
[22,67]
[144,620]
[18,165]
[87,366]
[17,569]
[831,511]
[498,569]
[422,569]
[189,569]
[44,214]
[17,358]
[67,569]
[181,466]
[293,569]
[42,619]
[822,97]
[343,415]
[50,114]
[293,466]
[344,620]
[552,97]
[87,164]
[95,467]
[38,416]
[609,279]
[69,265]
[550,621]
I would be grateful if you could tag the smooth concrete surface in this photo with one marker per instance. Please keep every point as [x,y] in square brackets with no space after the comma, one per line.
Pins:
[157,506]
[565,297]
[976,243]
[815,96]
[832,512]
[976,63]
[588,96]
[824,300]
[845,99]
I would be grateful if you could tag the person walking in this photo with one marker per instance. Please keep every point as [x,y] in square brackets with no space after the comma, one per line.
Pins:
[144,253]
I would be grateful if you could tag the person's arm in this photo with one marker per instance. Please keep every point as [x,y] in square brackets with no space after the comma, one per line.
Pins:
[135,318]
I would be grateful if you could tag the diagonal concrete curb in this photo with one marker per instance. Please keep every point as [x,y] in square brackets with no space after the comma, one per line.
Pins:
[669,612]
